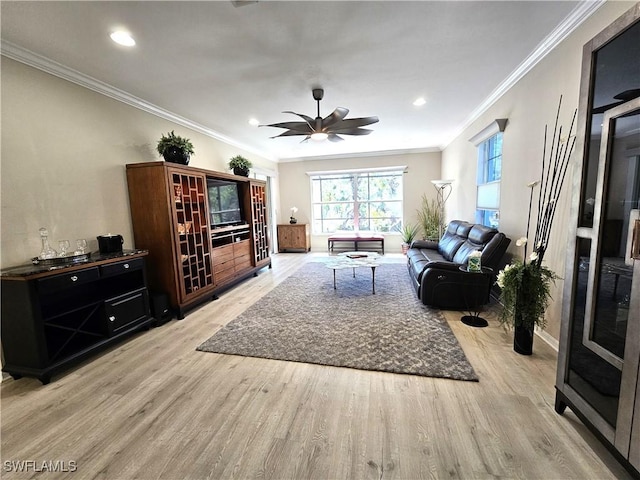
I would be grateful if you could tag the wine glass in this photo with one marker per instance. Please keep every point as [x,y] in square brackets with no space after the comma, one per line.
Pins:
[81,245]
[64,247]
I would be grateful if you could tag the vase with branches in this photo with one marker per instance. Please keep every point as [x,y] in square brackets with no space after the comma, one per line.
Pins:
[525,284]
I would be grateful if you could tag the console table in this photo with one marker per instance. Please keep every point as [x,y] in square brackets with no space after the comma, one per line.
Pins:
[55,316]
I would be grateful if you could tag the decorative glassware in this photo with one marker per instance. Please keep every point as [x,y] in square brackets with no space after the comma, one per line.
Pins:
[47,252]
[81,245]
[64,247]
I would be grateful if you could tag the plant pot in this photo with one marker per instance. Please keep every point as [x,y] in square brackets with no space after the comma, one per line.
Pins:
[243,172]
[523,340]
[176,155]
[405,248]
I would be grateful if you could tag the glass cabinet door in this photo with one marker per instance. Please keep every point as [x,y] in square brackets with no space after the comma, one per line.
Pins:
[603,273]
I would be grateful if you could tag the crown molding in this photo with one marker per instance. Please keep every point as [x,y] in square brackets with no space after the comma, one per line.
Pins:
[47,65]
[374,153]
[579,14]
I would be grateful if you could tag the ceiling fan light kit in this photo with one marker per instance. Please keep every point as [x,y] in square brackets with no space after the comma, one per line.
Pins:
[330,127]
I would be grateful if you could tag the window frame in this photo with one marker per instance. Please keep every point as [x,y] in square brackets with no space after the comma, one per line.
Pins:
[357,203]
[488,185]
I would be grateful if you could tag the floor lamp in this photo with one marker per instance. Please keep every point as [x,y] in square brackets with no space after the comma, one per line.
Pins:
[443,187]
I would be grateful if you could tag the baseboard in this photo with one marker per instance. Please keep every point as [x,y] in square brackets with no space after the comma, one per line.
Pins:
[551,341]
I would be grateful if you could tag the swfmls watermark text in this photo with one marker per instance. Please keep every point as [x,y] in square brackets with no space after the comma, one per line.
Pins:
[38,466]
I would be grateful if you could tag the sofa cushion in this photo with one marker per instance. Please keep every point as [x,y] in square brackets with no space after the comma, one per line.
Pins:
[479,237]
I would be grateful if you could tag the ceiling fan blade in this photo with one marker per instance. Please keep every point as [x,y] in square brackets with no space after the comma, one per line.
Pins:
[337,115]
[290,133]
[335,138]
[351,131]
[306,118]
[298,126]
[355,122]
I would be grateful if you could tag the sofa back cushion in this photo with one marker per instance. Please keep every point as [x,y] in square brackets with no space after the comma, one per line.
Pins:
[487,240]
[478,237]
[456,234]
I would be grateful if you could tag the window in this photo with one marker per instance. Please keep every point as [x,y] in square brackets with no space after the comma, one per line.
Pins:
[489,143]
[354,201]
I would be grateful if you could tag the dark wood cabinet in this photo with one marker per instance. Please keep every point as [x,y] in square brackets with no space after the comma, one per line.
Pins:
[294,237]
[54,318]
[190,257]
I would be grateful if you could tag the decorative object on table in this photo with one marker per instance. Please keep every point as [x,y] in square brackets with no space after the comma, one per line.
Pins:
[81,246]
[47,252]
[474,263]
[293,219]
[408,234]
[64,247]
[430,219]
[110,243]
[175,149]
[526,284]
[443,187]
[240,165]
[345,327]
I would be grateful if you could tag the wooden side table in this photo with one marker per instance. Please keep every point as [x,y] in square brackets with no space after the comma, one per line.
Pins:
[294,236]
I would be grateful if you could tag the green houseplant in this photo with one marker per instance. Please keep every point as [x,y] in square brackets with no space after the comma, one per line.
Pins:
[429,218]
[408,234]
[175,148]
[525,291]
[240,165]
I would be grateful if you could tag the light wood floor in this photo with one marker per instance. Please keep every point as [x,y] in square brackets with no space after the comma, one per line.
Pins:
[154,407]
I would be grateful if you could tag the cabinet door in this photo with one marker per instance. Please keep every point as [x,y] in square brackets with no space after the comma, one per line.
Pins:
[259,222]
[191,233]
[599,348]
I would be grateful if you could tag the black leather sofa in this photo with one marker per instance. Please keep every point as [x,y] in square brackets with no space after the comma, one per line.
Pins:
[438,269]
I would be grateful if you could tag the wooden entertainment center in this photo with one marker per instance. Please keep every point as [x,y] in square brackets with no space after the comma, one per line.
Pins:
[196,250]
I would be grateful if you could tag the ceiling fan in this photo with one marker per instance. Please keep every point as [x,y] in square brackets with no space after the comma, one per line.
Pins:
[330,127]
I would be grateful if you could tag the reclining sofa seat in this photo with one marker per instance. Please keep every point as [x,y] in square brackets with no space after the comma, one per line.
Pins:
[435,267]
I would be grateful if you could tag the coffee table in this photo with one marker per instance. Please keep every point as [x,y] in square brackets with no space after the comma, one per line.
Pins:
[354,260]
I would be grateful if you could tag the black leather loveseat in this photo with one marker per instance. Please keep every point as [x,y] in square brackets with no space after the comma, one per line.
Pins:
[435,267]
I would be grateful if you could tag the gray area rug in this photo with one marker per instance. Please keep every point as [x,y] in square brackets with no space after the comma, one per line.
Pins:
[304,319]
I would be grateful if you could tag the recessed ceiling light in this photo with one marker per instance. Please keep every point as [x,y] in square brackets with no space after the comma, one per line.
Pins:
[254,122]
[123,38]
[418,102]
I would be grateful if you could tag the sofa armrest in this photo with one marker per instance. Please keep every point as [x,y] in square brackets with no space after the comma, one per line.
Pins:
[443,265]
[452,288]
[428,244]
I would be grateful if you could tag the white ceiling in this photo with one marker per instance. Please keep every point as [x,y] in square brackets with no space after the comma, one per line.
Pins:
[217,65]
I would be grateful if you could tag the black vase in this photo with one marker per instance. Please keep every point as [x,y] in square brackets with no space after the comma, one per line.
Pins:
[176,155]
[243,172]
[523,340]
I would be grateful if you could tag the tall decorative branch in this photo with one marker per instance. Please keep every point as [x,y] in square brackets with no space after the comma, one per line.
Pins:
[554,170]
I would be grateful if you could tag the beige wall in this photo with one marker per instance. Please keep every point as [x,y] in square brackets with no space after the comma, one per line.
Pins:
[295,186]
[63,156]
[529,105]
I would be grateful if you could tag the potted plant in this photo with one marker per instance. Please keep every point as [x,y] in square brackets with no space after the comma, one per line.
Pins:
[429,218]
[526,285]
[174,148]
[525,292]
[408,234]
[240,165]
